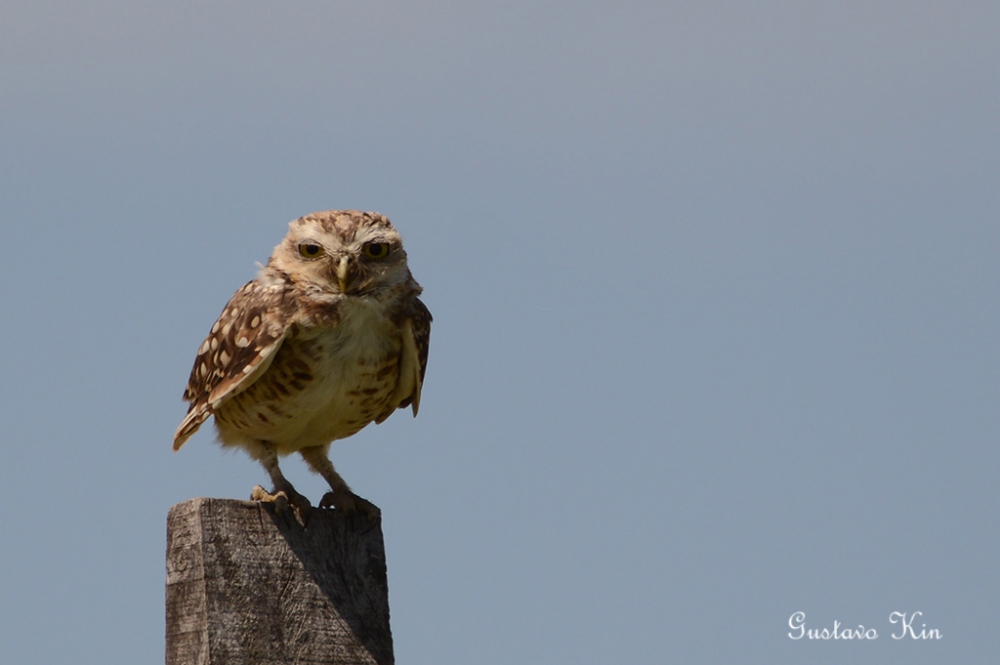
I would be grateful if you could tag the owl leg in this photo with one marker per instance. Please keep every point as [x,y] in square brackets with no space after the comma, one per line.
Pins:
[340,497]
[283,490]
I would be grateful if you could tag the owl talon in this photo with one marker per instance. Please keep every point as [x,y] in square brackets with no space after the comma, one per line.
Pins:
[285,501]
[361,513]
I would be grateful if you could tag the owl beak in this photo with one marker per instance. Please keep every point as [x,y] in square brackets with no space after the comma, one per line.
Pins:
[342,273]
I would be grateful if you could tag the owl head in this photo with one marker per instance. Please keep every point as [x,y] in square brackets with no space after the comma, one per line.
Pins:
[343,251]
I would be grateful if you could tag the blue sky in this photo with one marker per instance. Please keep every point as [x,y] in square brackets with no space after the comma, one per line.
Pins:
[715,290]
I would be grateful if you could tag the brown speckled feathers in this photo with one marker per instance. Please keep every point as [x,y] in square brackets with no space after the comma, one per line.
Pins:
[300,296]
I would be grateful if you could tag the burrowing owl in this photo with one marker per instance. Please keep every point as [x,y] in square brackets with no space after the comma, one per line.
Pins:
[328,338]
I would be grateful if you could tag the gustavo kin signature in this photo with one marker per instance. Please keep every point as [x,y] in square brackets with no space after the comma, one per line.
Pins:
[904,626]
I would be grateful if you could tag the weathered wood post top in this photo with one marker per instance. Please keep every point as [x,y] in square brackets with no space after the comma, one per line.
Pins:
[248,586]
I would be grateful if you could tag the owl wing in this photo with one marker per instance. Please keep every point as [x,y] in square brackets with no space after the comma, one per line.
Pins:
[416,331]
[421,319]
[238,350]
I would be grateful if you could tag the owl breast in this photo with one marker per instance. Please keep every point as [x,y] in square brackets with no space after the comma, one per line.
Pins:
[325,383]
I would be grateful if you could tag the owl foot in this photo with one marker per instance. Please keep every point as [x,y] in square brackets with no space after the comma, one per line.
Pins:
[362,515]
[286,501]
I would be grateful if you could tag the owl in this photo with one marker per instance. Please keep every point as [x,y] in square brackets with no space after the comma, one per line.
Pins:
[328,338]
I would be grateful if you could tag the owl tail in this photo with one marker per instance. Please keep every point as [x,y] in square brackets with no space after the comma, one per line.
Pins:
[195,417]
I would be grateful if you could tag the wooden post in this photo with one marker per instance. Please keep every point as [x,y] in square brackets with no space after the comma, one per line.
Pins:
[246,586]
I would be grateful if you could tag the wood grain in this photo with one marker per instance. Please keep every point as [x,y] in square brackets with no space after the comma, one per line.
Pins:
[246,586]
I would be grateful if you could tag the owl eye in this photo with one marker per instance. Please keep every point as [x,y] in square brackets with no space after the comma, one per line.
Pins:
[376,250]
[310,250]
